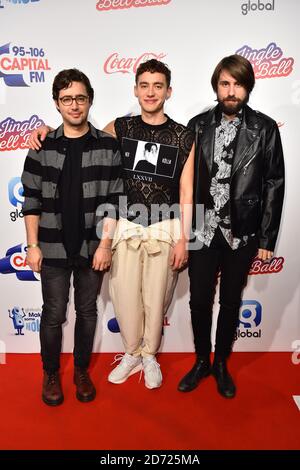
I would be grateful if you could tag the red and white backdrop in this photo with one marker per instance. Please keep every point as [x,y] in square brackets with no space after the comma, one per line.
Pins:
[107,40]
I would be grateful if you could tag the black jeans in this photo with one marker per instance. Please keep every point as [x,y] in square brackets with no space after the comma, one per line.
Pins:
[204,266]
[55,289]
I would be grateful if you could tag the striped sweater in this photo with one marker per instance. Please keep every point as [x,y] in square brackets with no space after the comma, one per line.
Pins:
[102,184]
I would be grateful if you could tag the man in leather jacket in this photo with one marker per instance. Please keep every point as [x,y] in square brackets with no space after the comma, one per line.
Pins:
[239,180]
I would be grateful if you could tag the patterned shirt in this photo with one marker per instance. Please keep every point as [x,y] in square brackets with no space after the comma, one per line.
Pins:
[217,213]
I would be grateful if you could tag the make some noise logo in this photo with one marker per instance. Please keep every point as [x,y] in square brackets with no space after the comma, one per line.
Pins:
[28,319]
[267,62]
[259,5]
[15,134]
[117,64]
[23,66]
[249,320]
[105,5]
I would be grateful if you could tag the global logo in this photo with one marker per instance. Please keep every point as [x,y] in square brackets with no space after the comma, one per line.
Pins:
[257,6]
[250,313]
[113,325]
[249,319]
[14,262]
[116,64]
[16,197]
[21,66]
[28,318]
[15,192]
[15,134]
[105,5]
[267,62]
[17,2]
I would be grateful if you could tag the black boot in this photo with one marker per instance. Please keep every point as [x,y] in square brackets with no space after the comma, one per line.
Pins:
[200,370]
[226,386]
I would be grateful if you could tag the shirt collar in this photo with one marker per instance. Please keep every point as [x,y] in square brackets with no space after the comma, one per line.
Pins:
[59,133]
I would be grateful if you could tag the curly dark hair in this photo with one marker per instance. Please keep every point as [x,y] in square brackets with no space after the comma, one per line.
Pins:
[65,77]
[153,66]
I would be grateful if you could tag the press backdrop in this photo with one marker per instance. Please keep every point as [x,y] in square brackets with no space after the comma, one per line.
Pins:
[107,40]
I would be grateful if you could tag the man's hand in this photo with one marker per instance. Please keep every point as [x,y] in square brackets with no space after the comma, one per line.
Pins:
[34,259]
[37,136]
[102,259]
[264,254]
[179,255]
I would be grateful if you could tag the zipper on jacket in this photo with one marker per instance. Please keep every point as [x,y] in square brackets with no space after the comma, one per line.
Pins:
[247,165]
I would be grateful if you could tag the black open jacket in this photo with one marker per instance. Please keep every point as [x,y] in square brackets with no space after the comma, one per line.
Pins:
[257,177]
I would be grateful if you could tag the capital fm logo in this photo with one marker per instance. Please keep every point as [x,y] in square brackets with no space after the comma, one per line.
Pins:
[250,318]
[14,262]
[23,66]
[267,267]
[25,318]
[15,134]
[16,198]
[118,64]
[16,2]
[267,62]
[258,6]
[105,5]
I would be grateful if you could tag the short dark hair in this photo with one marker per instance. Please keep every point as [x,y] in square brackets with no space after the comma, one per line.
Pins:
[153,66]
[239,67]
[65,77]
[149,145]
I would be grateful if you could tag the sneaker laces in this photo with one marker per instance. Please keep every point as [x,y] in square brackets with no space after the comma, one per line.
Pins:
[127,358]
[118,358]
[152,363]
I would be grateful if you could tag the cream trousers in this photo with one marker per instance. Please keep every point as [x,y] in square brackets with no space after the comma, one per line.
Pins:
[142,282]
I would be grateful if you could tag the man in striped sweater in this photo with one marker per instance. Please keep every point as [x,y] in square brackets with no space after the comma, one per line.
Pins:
[69,185]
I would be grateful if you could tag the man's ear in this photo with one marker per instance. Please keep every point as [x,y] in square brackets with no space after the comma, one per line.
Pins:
[135,91]
[56,105]
[169,92]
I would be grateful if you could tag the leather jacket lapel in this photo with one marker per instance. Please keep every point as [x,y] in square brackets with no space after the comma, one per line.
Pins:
[208,139]
[247,141]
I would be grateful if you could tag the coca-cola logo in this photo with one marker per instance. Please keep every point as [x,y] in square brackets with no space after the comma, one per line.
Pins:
[267,267]
[105,5]
[114,63]
[268,62]
[15,134]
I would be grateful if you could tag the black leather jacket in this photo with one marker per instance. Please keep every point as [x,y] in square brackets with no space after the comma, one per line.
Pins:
[257,177]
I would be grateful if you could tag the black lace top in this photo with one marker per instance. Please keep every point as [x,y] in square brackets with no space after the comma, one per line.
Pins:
[153,159]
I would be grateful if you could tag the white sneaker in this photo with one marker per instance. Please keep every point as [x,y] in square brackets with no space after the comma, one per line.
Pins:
[153,377]
[129,365]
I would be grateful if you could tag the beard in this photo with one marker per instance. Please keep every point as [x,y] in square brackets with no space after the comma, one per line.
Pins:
[232,105]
